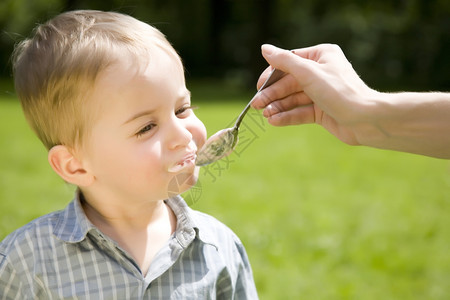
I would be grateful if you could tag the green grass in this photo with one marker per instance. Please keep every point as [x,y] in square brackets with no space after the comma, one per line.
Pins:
[319,219]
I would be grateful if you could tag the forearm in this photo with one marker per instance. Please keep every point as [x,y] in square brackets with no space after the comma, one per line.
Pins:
[410,122]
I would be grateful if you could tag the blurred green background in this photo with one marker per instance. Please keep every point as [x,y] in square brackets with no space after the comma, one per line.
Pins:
[402,44]
[319,219]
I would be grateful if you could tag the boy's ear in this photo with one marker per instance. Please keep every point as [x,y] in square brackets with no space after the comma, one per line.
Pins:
[69,167]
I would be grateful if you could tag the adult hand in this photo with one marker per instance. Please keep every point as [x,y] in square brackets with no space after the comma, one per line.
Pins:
[322,87]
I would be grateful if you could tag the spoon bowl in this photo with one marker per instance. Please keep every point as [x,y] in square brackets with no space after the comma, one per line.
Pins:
[223,142]
[219,145]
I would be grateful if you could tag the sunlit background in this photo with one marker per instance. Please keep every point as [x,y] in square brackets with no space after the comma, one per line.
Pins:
[402,44]
[319,219]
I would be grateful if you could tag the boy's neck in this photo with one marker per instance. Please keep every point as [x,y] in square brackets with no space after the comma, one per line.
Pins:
[141,231]
[131,217]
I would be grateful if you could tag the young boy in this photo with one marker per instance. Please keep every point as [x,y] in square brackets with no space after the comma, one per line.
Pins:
[106,95]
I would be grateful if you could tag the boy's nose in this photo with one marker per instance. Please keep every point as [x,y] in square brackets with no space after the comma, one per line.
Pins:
[178,135]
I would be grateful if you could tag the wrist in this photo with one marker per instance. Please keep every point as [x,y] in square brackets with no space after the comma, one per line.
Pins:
[371,128]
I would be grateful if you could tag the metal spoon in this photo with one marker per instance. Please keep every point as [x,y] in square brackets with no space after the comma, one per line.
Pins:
[223,142]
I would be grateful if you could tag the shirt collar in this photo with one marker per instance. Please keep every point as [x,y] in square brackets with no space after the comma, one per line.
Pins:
[73,225]
[189,225]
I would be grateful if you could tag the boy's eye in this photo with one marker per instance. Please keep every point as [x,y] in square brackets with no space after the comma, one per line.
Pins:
[184,111]
[145,129]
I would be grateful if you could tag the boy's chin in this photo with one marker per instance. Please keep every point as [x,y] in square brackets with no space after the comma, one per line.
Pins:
[182,182]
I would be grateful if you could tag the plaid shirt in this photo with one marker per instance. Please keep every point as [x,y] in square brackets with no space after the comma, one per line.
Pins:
[63,256]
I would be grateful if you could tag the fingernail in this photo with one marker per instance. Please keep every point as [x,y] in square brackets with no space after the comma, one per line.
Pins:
[268,49]
[268,111]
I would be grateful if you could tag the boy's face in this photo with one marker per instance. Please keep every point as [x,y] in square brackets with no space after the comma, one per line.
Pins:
[145,136]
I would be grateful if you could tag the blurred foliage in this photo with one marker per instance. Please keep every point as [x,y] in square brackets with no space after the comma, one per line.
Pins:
[393,45]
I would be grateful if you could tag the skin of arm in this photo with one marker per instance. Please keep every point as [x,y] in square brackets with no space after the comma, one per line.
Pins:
[322,87]
[412,122]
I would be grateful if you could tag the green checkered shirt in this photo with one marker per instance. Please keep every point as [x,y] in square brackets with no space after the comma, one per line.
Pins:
[63,256]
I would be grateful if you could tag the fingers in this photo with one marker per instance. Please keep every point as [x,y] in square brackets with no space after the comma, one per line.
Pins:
[300,72]
[291,102]
[281,89]
[293,110]
[263,77]
[296,116]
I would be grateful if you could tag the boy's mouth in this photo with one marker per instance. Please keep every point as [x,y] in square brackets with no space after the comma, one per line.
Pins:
[187,161]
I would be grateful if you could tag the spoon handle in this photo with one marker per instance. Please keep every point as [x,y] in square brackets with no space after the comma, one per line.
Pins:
[274,76]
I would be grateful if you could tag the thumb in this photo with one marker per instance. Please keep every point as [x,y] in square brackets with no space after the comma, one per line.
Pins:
[274,55]
[287,61]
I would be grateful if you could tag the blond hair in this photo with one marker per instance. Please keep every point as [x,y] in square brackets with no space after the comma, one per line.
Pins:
[56,68]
